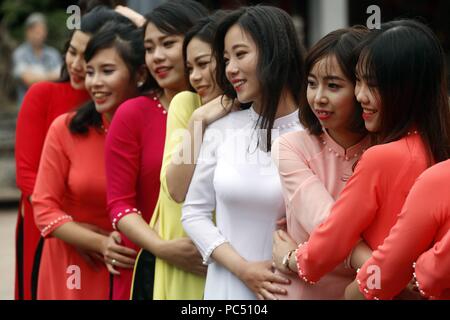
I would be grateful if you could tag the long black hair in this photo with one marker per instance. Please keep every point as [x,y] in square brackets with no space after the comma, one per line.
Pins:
[280,57]
[90,23]
[343,44]
[126,38]
[405,62]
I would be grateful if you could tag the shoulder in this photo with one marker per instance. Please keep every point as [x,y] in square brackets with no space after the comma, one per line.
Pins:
[233,120]
[51,51]
[134,108]
[21,50]
[61,123]
[392,154]
[439,174]
[184,103]
[299,141]
[44,87]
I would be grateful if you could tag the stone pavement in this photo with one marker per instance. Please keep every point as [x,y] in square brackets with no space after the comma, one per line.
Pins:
[8,217]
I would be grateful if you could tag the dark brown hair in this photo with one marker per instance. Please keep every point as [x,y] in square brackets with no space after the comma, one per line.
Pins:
[342,44]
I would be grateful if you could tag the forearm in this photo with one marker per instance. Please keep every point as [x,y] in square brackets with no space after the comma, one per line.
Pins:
[179,173]
[79,236]
[227,256]
[134,227]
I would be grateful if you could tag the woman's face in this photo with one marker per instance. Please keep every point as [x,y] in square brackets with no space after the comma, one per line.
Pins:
[368,96]
[331,95]
[108,81]
[201,65]
[241,60]
[75,59]
[164,58]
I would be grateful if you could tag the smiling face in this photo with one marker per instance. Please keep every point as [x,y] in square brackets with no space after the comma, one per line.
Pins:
[108,81]
[241,59]
[75,59]
[331,95]
[164,58]
[368,96]
[200,66]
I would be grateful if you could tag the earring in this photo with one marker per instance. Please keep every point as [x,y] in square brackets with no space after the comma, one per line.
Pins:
[140,83]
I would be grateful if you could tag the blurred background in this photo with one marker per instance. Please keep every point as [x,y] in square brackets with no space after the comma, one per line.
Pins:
[313,19]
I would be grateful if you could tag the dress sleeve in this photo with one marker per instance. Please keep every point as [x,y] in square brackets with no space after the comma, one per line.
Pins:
[333,240]
[432,269]
[305,195]
[181,108]
[51,180]
[122,157]
[390,268]
[31,130]
[197,212]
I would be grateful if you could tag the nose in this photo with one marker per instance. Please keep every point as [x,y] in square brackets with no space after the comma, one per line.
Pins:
[231,69]
[78,64]
[159,54]
[361,93]
[195,76]
[97,80]
[320,97]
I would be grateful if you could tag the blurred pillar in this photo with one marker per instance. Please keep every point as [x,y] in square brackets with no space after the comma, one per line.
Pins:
[326,16]
[144,6]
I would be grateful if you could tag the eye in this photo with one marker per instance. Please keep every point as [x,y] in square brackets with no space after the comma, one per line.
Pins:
[333,86]
[226,61]
[72,52]
[311,83]
[149,49]
[89,72]
[203,64]
[168,44]
[240,54]
[108,71]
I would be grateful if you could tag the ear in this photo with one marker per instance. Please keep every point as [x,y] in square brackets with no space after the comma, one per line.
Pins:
[141,75]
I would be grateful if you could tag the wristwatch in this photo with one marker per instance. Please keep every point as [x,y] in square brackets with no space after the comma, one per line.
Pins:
[287,259]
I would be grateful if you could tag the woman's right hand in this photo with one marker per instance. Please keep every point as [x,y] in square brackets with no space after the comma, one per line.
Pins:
[215,109]
[260,278]
[184,254]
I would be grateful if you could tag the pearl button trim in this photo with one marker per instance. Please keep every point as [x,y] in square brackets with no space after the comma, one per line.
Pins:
[51,224]
[122,214]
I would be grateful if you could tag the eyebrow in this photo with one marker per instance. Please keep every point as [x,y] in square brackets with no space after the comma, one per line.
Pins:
[103,65]
[162,38]
[202,56]
[236,46]
[331,77]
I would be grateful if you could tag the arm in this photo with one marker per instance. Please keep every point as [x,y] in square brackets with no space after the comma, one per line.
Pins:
[432,269]
[307,200]
[134,16]
[335,238]
[31,130]
[391,264]
[197,219]
[179,173]
[50,190]
[122,152]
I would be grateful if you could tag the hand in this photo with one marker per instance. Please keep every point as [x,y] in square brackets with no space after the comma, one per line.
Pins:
[282,244]
[259,277]
[115,255]
[134,16]
[184,254]
[92,258]
[94,228]
[411,292]
[282,224]
[215,109]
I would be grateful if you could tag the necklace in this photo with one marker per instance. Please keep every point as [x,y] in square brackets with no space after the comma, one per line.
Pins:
[255,119]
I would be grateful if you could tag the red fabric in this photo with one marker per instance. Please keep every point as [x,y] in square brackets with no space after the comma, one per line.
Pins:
[367,208]
[134,151]
[70,186]
[422,224]
[43,102]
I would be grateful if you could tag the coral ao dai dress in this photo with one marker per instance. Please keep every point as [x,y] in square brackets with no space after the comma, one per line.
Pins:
[70,186]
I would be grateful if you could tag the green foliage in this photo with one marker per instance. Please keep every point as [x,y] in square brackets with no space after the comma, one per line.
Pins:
[13,14]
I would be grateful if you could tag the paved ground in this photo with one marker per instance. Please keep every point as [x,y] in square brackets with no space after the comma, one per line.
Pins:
[7,260]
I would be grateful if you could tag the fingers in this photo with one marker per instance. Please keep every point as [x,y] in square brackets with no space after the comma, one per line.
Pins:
[120,262]
[122,250]
[273,277]
[112,270]
[267,295]
[116,236]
